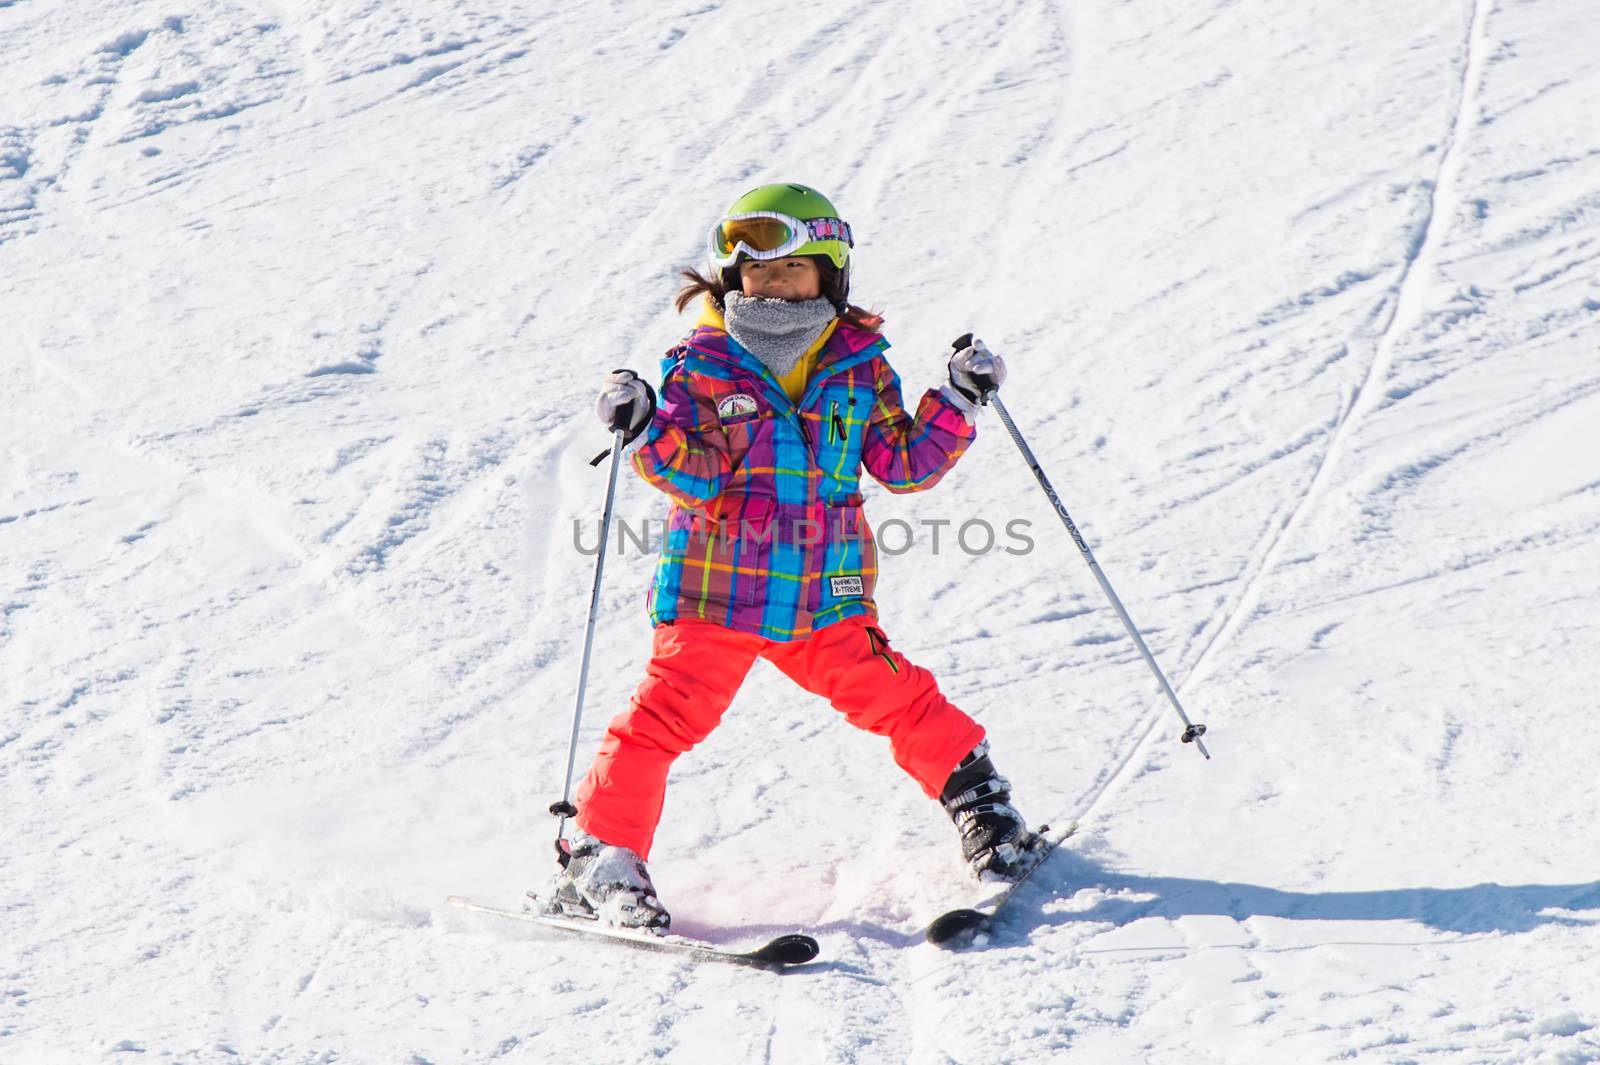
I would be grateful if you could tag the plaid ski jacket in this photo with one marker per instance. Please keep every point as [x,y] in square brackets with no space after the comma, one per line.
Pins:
[766,533]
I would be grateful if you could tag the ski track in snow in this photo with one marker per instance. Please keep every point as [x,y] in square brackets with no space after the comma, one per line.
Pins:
[304,307]
[1397,310]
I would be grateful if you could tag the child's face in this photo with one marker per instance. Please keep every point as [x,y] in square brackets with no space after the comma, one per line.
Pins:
[794,278]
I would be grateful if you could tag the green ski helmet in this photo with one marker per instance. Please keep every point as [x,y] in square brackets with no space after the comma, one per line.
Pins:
[775,222]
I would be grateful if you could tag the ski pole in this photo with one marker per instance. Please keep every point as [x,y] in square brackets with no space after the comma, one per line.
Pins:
[564,809]
[1191,731]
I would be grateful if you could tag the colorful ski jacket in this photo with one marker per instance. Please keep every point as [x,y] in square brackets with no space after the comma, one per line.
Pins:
[766,533]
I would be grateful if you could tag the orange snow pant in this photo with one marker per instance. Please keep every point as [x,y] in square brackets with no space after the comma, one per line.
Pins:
[695,669]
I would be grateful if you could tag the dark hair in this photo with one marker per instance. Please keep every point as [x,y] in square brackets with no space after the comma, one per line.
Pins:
[832,285]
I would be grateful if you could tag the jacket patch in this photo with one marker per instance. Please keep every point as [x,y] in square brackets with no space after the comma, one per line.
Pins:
[844,586]
[737,408]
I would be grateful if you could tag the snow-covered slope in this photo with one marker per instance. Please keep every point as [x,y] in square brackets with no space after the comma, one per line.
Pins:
[302,306]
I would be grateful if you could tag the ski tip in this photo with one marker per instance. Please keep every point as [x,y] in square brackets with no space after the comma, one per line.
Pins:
[950,928]
[788,950]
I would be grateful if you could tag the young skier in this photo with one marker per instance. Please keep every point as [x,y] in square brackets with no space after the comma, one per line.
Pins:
[768,412]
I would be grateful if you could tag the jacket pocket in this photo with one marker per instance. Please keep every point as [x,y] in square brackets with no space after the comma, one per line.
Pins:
[837,422]
[745,418]
[728,551]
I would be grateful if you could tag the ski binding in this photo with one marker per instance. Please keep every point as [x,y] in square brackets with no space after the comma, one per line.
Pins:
[784,952]
[955,927]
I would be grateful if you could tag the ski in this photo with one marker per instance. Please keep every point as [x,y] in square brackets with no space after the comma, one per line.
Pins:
[781,953]
[955,927]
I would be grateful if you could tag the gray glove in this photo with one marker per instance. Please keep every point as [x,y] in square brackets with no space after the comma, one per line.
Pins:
[975,371]
[626,402]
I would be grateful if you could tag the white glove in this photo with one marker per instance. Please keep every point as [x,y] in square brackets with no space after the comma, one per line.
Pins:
[626,402]
[975,371]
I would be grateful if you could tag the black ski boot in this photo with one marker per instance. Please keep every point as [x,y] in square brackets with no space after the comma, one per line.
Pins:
[607,884]
[994,838]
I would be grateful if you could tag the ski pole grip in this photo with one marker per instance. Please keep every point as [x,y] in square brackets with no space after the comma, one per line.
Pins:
[985,382]
[621,416]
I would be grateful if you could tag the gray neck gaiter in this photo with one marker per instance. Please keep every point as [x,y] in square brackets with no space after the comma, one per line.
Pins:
[778,332]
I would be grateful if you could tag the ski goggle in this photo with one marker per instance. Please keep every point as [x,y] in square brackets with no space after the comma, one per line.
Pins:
[771,235]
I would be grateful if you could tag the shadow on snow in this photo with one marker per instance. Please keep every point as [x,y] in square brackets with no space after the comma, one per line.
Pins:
[1476,909]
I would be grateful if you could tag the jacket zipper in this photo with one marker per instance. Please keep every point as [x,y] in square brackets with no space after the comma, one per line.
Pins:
[836,427]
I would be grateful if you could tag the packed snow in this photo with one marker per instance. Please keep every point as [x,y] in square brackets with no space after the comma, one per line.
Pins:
[303,307]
